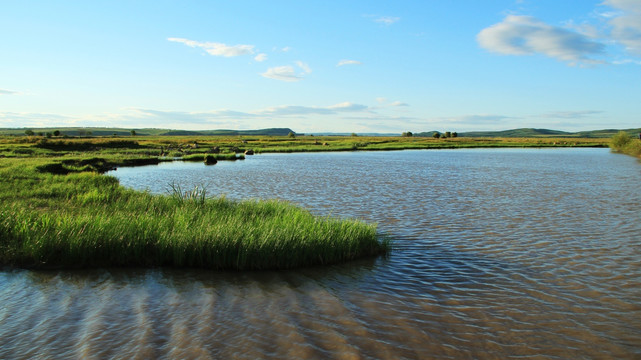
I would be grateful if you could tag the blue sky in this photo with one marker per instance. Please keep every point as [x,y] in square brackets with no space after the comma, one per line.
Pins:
[322,66]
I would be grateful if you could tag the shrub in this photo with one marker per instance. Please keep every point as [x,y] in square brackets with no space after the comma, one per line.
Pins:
[620,140]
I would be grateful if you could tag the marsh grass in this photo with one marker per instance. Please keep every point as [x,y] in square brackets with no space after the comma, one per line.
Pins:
[84,219]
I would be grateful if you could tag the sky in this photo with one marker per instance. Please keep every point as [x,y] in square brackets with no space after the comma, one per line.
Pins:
[322,66]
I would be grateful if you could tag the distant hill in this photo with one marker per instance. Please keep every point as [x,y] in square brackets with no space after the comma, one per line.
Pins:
[524,132]
[97,131]
[533,133]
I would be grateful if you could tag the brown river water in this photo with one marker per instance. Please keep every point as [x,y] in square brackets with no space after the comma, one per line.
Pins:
[501,253]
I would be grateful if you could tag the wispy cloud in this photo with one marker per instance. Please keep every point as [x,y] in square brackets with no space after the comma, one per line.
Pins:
[8,92]
[279,111]
[626,61]
[282,73]
[348,62]
[303,66]
[387,20]
[217,49]
[287,72]
[26,119]
[348,106]
[260,57]
[526,35]
[626,23]
[384,103]
[476,119]
[570,114]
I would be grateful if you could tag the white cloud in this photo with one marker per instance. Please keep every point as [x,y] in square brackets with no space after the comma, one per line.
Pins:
[384,102]
[25,119]
[282,73]
[627,61]
[226,114]
[304,67]
[626,24]
[287,72]
[348,62]
[217,49]
[260,57]
[387,20]
[348,106]
[7,92]
[525,35]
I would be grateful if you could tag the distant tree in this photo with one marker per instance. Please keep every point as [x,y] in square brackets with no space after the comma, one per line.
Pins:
[82,132]
[407,134]
[133,132]
[40,133]
[436,135]
[291,135]
[56,133]
[29,132]
[354,134]
[48,134]
[447,134]
[454,134]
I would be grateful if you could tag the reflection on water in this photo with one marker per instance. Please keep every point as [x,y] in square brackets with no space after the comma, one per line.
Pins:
[499,254]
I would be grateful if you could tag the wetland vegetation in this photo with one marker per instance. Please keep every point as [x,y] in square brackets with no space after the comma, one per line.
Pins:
[57,210]
[623,143]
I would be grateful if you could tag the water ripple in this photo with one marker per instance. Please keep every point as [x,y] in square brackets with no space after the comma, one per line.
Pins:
[504,253]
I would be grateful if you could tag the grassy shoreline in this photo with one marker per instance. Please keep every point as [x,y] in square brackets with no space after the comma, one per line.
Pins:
[58,211]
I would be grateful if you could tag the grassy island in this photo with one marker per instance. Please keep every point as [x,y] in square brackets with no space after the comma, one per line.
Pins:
[57,210]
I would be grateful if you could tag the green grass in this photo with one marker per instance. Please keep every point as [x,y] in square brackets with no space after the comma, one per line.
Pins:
[84,219]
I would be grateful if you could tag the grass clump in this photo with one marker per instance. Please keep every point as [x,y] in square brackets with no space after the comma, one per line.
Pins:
[622,142]
[84,219]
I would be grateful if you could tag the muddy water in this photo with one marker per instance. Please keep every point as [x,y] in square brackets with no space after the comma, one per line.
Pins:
[506,253]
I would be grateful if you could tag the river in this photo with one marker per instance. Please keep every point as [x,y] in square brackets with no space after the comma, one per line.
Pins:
[498,253]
